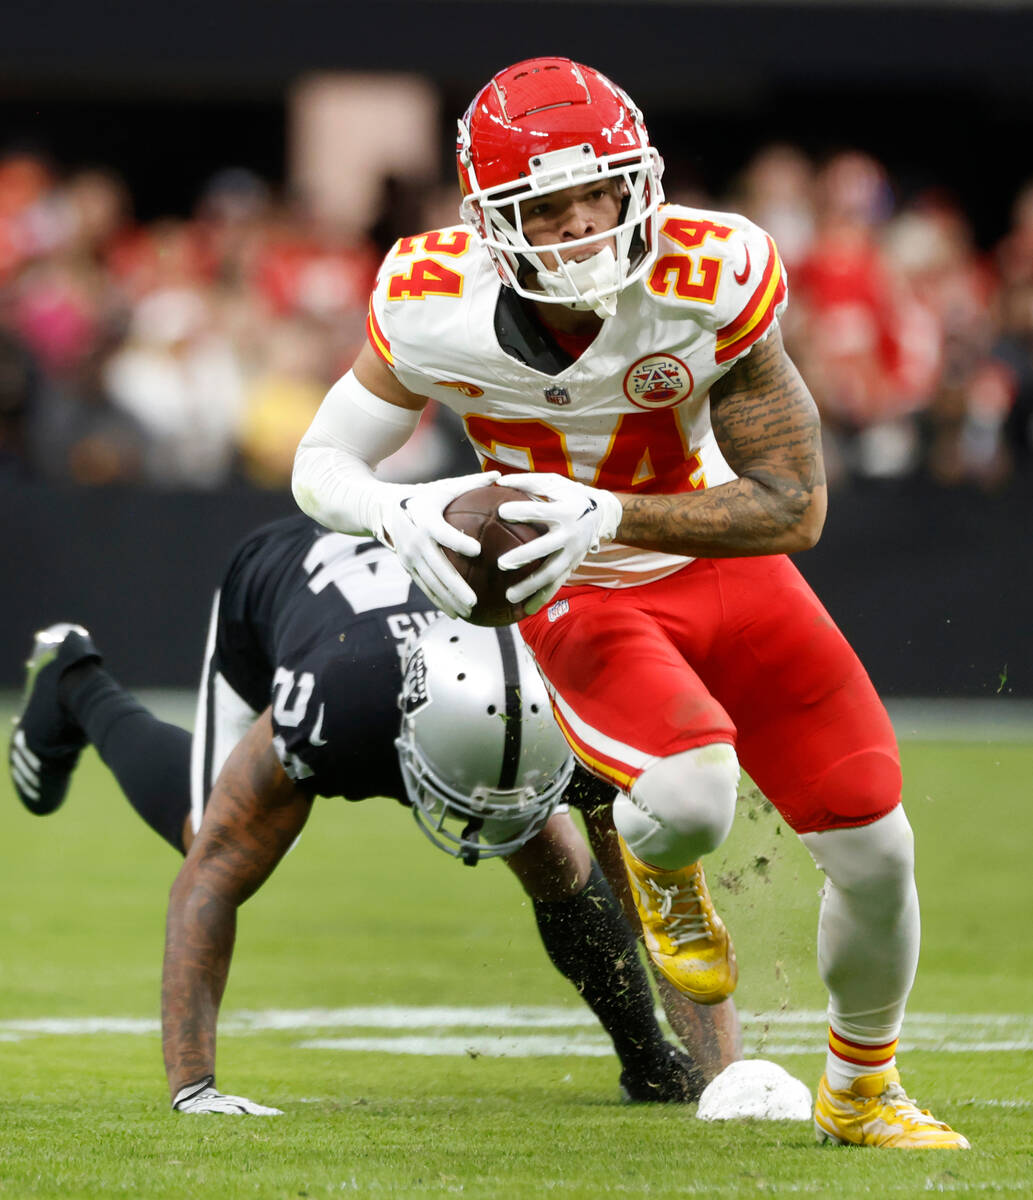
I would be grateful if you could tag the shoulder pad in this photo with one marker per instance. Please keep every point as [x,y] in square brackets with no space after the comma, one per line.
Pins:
[724,267]
[429,268]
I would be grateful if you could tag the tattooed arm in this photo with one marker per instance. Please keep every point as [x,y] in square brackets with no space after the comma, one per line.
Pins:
[767,427]
[253,816]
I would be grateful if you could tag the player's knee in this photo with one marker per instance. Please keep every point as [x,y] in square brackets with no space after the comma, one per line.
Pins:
[892,855]
[681,807]
[876,860]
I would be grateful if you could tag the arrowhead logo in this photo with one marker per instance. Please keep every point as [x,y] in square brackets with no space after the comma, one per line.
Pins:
[471,390]
[658,381]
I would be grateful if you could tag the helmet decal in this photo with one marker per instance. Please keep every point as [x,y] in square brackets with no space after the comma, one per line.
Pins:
[414,686]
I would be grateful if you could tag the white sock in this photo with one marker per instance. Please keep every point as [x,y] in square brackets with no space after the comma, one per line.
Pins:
[868,939]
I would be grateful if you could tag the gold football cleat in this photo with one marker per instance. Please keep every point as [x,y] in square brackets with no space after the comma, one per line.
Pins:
[684,936]
[876,1111]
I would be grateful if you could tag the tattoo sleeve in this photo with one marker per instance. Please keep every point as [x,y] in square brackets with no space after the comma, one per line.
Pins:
[254,814]
[767,428]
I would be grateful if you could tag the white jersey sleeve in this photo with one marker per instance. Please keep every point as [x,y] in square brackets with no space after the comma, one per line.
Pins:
[417,304]
[726,272]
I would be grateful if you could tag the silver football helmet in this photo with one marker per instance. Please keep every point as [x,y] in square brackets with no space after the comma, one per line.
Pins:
[483,760]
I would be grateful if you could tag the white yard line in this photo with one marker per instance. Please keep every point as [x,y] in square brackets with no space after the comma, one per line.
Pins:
[499,1031]
[483,1046]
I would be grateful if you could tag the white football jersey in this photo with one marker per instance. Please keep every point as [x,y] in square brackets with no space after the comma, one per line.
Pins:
[631,413]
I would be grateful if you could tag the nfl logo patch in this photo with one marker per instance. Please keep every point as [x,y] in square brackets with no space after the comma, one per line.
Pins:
[557,395]
[557,610]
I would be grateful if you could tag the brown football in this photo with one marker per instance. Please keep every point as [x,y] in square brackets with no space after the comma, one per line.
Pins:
[476,513]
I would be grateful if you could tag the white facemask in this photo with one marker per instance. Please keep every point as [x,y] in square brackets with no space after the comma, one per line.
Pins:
[595,279]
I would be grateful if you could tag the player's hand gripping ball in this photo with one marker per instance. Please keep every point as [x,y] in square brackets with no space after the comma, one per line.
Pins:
[476,513]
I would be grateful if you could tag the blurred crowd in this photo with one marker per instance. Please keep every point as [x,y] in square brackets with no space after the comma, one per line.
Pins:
[191,352]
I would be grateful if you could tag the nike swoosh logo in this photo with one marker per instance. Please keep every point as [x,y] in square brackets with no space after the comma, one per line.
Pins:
[745,274]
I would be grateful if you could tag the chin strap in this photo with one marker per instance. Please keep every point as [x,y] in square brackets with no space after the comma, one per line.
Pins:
[595,280]
[471,851]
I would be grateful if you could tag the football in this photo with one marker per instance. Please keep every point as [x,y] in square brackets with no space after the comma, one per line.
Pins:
[476,513]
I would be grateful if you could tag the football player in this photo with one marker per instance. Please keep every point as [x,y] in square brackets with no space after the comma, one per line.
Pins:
[620,361]
[300,698]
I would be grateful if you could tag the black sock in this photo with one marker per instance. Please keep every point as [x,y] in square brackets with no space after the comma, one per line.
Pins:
[149,758]
[590,942]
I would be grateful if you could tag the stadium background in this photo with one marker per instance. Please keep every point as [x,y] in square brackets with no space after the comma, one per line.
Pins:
[328,128]
[926,566]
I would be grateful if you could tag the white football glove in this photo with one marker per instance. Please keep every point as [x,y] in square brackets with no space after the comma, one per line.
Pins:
[579,518]
[202,1097]
[412,524]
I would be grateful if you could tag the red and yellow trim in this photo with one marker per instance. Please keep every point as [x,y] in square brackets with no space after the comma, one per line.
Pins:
[377,339]
[859,1054]
[755,319]
[616,773]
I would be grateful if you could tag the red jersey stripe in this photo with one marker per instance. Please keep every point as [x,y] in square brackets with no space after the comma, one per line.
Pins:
[756,317]
[616,773]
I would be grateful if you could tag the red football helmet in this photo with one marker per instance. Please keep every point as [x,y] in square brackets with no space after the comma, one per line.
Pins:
[543,125]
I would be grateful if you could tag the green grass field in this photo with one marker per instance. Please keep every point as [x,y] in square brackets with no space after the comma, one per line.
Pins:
[400,1009]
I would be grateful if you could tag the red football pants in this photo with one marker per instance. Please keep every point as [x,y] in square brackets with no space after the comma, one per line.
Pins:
[733,650]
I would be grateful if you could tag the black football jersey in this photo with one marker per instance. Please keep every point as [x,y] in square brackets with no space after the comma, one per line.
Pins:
[315,624]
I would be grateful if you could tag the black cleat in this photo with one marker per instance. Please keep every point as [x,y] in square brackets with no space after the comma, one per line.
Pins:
[672,1079]
[46,743]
